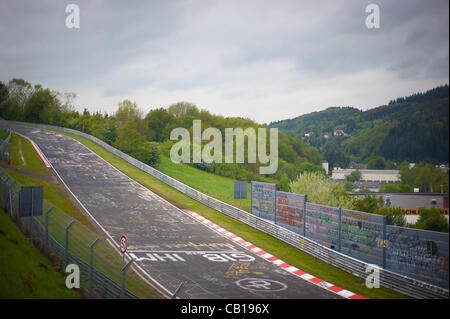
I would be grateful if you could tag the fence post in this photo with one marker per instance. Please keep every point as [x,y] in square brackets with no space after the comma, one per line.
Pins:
[124,269]
[275,204]
[385,219]
[91,257]
[177,290]
[31,218]
[10,204]
[340,229]
[304,215]
[46,227]
[251,197]
[66,251]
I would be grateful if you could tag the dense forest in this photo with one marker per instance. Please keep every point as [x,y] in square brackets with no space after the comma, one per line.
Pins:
[413,129]
[147,136]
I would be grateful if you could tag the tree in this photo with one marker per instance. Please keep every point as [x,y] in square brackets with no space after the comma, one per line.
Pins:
[394,214]
[431,219]
[368,204]
[321,190]
[42,107]
[354,176]
[284,184]
[135,145]
[108,132]
[395,188]
[19,92]
[183,108]
[3,99]
[332,152]
[159,122]
[376,162]
[127,111]
[349,186]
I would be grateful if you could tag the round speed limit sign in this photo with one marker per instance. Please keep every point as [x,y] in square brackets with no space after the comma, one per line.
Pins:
[123,244]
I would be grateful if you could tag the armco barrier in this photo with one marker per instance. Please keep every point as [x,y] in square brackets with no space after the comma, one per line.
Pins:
[400,283]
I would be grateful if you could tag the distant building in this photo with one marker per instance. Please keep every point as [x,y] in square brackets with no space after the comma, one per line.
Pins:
[378,175]
[354,165]
[307,134]
[325,166]
[339,133]
[326,136]
[443,167]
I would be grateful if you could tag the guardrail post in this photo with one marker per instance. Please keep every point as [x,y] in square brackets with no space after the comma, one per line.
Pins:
[124,269]
[385,220]
[91,258]
[66,251]
[177,290]
[304,215]
[340,229]
[46,227]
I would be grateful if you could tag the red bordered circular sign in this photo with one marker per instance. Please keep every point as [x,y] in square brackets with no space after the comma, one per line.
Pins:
[123,244]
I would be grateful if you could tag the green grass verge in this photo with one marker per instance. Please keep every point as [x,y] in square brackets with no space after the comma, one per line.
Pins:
[106,258]
[24,272]
[25,157]
[214,185]
[283,251]
[3,134]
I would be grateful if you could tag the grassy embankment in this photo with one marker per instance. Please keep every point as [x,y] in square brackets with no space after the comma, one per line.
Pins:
[287,253]
[24,272]
[82,233]
[214,185]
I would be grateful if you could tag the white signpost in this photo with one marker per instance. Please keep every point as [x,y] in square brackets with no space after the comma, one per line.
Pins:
[123,247]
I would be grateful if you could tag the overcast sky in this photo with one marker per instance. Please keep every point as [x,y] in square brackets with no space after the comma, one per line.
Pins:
[265,60]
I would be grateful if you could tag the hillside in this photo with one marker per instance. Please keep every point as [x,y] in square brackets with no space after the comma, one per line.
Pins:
[412,129]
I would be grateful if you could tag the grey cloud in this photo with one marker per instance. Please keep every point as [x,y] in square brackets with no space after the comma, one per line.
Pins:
[233,46]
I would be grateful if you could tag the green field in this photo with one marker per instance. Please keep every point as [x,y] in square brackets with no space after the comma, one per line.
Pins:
[283,251]
[24,271]
[84,232]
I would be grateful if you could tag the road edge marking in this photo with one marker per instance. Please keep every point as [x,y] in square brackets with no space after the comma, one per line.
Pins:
[275,260]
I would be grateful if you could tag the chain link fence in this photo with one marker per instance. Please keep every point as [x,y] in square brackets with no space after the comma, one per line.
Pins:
[67,241]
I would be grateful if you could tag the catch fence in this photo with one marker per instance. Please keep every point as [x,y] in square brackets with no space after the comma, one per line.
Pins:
[67,241]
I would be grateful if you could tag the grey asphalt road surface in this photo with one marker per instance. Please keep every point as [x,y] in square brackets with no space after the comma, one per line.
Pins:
[170,246]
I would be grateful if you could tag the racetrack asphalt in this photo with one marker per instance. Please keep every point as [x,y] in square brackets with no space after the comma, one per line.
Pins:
[169,245]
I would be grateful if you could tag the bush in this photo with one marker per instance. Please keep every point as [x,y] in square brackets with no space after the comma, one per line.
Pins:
[395,215]
[395,188]
[431,219]
[349,186]
[369,204]
[283,186]
[354,176]
[321,190]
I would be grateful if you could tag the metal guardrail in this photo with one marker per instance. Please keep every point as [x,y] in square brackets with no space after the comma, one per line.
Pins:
[397,282]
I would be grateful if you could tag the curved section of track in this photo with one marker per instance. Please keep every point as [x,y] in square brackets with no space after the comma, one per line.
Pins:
[168,244]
